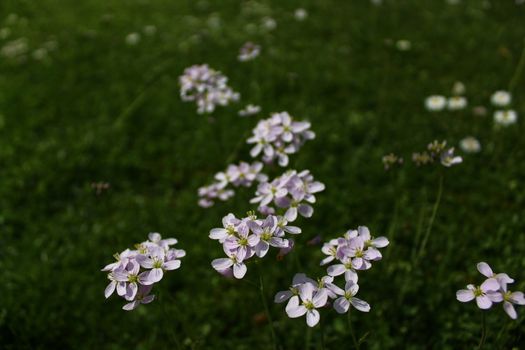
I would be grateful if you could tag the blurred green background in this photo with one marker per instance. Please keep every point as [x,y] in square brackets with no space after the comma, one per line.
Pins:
[80,105]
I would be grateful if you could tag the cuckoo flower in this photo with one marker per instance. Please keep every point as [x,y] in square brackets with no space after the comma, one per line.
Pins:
[342,304]
[485,294]
[310,299]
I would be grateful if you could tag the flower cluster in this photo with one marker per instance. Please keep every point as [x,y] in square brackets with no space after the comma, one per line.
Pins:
[136,271]
[243,174]
[354,251]
[437,151]
[207,87]
[504,116]
[248,52]
[279,136]
[292,191]
[247,237]
[391,160]
[492,290]
[436,103]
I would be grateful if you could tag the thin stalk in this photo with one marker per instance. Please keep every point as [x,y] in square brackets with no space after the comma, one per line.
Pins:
[354,339]
[308,337]
[519,70]
[321,325]
[266,309]
[483,331]
[432,217]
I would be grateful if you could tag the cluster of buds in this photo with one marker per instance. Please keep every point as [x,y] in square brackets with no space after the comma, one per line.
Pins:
[355,251]
[291,191]
[492,290]
[437,151]
[391,160]
[135,272]
[207,87]
[279,136]
[248,52]
[247,237]
[243,174]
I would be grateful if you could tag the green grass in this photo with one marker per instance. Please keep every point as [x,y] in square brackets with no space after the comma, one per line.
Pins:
[99,110]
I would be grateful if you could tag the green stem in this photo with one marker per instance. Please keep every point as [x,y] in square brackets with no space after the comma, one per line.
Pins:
[518,71]
[321,324]
[354,339]
[432,217]
[308,337]
[483,331]
[266,309]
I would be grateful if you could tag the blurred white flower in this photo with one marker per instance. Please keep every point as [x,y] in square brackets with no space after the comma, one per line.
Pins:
[435,103]
[12,18]
[470,145]
[300,14]
[132,39]
[269,23]
[505,118]
[249,110]
[15,48]
[403,45]
[40,54]
[376,2]
[150,30]
[248,52]
[4,33]
[456,103]
[458,88]
[501,98]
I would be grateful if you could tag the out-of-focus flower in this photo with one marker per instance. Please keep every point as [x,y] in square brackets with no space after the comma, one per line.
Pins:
[150,30]
[4,33]
[403,45]
[390,160]
[435,103]
[243,174]
[40,54]
[470,145]
[458,88]
[15,48]
[501,98]
[505,118]
[268,23]
[448,158]
[249,110]
[132,39]
[300,14]
[207,87]
[456,103]
[248,52]
[279,136]
[421,158]
[479,111]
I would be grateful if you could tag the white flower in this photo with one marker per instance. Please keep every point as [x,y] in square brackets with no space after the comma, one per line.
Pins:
[435,103]
[40,54]
[470,145]
[505,118]
[300,14]
[307,302]
[248,52]
[458,88]
[132,39]
[150,30]
[249,110]
[403,45]
[456,103]
[501,98]
[269,23]
[342,304]
[4,33]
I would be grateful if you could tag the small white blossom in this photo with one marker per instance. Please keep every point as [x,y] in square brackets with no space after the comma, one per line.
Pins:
[470,145]
[132,39]
[505,118]
[456,103]
[501,98]
[435,103]
[300,14]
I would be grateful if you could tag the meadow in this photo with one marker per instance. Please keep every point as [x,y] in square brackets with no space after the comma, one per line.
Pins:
[97,150]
